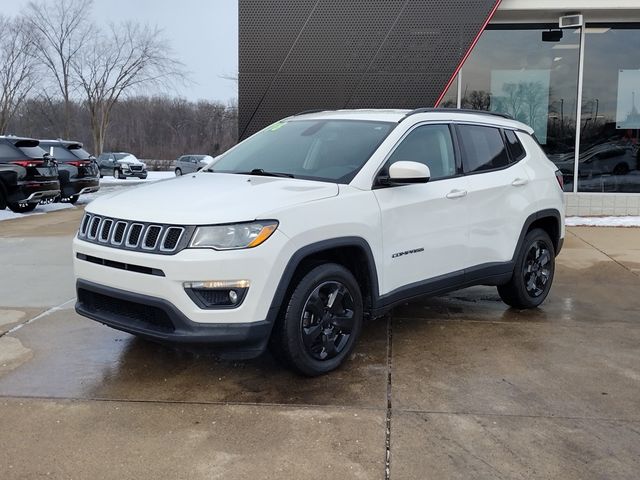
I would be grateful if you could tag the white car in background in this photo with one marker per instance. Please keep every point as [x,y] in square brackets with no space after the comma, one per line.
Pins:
[299,234]
[191,164]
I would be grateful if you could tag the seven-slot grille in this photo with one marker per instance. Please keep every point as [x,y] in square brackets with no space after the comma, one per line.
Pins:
[131,235]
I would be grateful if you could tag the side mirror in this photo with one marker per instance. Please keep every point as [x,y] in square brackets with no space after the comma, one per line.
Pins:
[406,173]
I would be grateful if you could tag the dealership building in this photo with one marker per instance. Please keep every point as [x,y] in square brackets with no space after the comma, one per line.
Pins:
[570,69]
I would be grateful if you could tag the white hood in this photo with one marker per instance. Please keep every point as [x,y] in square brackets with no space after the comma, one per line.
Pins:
[210,198]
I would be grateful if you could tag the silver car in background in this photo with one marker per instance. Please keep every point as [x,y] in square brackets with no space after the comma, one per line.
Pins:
[191,163]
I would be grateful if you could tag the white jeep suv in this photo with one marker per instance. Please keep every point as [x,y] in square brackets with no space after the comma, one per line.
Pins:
[320,221]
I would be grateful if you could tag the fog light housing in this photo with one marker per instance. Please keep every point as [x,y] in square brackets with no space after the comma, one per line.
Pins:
[217,294]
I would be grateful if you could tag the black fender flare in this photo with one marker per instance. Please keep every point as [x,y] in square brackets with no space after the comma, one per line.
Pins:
[547,213]
[298,257]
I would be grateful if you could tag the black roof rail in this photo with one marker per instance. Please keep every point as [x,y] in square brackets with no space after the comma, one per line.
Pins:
[457,110]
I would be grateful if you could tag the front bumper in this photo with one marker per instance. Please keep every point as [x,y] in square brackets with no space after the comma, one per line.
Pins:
[157,319]
[153,278]
[131,173]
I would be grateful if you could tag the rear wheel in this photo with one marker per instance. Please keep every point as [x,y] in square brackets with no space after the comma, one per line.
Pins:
[72,199]
[3,200]
[533,272]
[178,172]
[22,207]
[322,321]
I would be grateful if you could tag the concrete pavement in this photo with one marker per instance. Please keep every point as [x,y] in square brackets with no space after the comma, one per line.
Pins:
[470,388]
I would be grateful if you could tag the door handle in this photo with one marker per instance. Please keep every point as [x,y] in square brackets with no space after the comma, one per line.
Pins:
[456,194]
[519,182]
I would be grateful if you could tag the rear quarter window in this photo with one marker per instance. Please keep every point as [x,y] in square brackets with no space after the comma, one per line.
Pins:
[483,148]
[516,150]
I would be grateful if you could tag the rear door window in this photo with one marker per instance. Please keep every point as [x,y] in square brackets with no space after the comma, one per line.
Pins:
[483,148]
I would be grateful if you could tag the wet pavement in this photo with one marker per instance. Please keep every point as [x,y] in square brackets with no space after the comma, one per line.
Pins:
[470,388]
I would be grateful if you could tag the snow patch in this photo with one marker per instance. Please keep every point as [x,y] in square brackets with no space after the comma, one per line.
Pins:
[629,221]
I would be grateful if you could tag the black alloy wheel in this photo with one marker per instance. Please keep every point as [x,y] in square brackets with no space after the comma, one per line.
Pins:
[533,272]
[320,321]
[537,269]
[327,320]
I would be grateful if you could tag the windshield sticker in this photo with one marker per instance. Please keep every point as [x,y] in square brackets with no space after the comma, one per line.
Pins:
[277,126]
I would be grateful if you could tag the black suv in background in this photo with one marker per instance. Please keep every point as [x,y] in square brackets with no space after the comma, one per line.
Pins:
[121,165]
[28,174]
[77,169]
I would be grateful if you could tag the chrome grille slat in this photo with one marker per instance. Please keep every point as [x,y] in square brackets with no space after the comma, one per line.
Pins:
[94,227]
[171,239]
[151,237]
[134,235]
[105,230]
[118,233]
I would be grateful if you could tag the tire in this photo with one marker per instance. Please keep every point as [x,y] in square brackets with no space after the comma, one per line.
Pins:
[3,200]
[73,199]
[533,272]
[118,175]
[312,336]
[22,207]
[178,172]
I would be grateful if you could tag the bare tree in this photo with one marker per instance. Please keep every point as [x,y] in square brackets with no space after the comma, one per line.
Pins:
[61,28]
[17,67]
[120,61]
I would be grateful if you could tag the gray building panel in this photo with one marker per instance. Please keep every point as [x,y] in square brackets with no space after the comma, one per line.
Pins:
[328,54]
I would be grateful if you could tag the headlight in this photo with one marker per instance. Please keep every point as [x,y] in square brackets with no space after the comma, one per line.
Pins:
[231,237]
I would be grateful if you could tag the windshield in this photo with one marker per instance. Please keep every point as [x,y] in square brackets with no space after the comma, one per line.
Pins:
[326,150]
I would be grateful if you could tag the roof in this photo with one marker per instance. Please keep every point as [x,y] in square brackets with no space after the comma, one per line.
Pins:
[66,143]
[14,139]
[397,116]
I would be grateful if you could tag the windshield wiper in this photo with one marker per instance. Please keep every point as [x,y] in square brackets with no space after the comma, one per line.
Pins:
[263,173]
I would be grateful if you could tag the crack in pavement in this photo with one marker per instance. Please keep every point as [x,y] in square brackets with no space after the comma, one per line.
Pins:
[37,317]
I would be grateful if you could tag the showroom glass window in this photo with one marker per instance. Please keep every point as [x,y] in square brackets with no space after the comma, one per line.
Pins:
[609,155]
[534,78]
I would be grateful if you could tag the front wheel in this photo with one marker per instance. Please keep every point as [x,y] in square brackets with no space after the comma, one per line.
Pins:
[73,199]
[118,175]
[178,172]
[322,321]
[22,207]
[533,272]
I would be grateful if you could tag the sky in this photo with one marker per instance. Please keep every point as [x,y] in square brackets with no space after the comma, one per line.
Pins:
[202,33]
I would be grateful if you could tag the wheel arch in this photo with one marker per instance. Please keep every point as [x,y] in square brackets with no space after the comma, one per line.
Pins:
[354,253]
[549,220]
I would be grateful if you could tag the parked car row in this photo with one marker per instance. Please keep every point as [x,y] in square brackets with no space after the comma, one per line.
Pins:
[42,171]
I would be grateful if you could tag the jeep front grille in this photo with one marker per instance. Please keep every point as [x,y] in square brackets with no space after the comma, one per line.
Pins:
[137,236]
